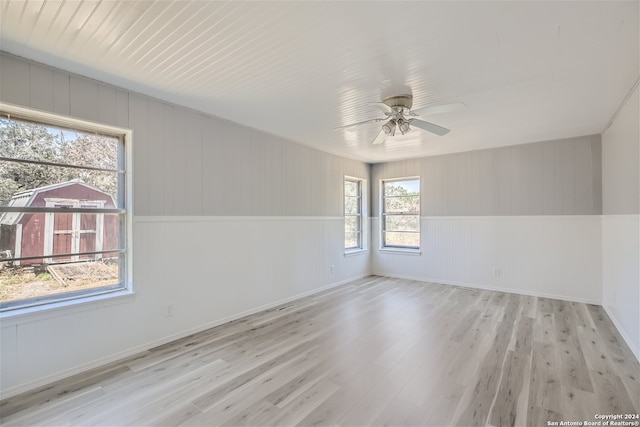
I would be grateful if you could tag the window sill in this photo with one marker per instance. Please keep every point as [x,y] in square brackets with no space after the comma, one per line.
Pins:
[60,308]
[400,251]
[354,252]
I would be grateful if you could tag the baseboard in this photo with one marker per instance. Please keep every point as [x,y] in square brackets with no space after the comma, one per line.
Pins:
[634,349]
[491,288]
[13,391]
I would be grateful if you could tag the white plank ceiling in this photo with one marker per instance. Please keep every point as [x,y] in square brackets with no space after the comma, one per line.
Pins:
[527,71]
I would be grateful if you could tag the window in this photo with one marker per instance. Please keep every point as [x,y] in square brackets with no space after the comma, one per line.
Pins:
[401,213]
[353,213]
[63,209]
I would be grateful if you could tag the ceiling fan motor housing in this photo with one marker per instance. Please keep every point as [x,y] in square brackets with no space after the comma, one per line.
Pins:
[404,101]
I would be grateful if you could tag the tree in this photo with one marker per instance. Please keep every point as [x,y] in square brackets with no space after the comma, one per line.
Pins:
[95,151]
[22,140]
[30,141]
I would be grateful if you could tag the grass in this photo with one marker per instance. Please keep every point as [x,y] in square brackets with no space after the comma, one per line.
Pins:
[44,277]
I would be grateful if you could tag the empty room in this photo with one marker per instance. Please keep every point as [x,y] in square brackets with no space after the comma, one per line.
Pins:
[319,213]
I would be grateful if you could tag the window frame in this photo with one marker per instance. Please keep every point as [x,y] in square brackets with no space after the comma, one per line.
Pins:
[124,209]
[399,248]
[361,215]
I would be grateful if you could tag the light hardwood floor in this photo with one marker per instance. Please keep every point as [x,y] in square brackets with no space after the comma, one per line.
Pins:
[376,351]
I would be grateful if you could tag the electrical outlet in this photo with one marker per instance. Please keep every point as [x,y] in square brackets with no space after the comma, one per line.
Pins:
[333,269]
[169,310]
[497,272]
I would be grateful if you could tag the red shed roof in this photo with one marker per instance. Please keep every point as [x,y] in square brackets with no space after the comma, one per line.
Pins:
[25,198]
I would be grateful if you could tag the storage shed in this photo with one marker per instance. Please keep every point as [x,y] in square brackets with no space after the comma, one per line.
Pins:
[44,234]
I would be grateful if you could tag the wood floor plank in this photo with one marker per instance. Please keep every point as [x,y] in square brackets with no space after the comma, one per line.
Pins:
[440,407]
[476,411]
[465,325]
[366,410]
[612,396]
[375,351]
[210,398]
[512,386]
[42,414]
[573,367]
[126,404]
[545,331]
[399,413]
[236,402]
[296,410]
[576,403]
[545,389]
[78,383]
[349,394]
[257,414]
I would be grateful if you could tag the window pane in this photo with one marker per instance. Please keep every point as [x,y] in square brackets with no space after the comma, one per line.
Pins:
[352,214]
[402,188]
[402,204]
[351,240]
[399,228]
[59,254]
[351,205]
[402,239]
[351,223]
[351,188]
[402,223]
[31,141]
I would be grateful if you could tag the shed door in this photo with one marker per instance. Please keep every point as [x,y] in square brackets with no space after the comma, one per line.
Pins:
[73,232]
[63,235]
[87,234]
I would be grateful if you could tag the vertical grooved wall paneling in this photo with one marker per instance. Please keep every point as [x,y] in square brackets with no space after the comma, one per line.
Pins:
[194,163]
[83,98]
[107,104]
[157,132]
[168,169]
[14,80]
[545,178]
[139,122]
[41,87]
[61,102]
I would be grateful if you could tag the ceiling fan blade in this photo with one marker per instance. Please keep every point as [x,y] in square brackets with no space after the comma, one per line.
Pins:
[429,127]
[382,106]
[438,109]
[360,123]
[380,138]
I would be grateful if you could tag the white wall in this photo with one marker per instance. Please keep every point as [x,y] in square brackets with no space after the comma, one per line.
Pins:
[550,256]
[228,220]
[621,222]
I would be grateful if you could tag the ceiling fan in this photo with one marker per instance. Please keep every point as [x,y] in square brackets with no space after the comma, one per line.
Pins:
[398,114]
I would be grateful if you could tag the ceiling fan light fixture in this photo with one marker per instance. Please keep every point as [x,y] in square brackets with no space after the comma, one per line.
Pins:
[403,125]
[390,127]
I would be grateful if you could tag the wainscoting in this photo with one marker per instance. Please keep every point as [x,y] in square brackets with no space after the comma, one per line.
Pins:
[552,256]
